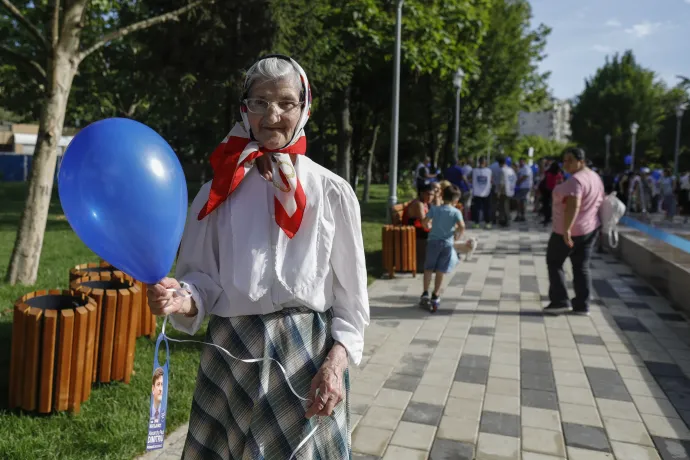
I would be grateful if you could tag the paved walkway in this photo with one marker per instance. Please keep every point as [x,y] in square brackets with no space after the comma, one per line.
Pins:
[488,377]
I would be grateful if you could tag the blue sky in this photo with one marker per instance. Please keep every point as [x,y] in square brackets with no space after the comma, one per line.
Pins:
[585,31]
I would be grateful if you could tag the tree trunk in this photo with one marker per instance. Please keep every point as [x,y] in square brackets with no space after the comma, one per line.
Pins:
[345,135]
[370,164]
[23,267]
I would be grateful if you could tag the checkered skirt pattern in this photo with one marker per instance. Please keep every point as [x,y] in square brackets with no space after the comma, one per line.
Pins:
[246,411]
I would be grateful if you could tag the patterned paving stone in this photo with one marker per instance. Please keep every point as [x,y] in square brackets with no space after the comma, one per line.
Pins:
[427,414]
[445,449]
[586,437]
[500,423]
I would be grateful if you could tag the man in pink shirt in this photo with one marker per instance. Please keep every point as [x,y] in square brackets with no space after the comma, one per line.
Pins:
[576,223]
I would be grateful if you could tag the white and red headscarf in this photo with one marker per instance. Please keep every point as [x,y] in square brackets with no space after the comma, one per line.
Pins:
[234,158]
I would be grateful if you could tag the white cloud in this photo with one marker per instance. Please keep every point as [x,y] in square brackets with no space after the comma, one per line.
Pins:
[602,49]
[616,22]
[643,29]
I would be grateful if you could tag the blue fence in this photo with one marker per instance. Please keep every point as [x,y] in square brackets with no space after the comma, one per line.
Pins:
[16,167]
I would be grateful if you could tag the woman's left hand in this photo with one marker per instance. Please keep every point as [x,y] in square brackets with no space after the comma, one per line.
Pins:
[329,383]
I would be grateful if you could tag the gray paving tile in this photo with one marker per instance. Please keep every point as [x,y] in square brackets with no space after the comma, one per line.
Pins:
[672,449]
[680,400]
[424,342]
[402,382]
[534,355]
[586,437]
[482,331]
[415,368]
[488,303]
[537,382]
[460,279]
[539,399]
[507,296]
[664,369]
[626,323]
[493,282]
[478,361]
[638,305]
[528,283]
[604,376]
[526,263]
[500,423]
[536,367]
[531,316]
[617,392]
[427,414]
[644,291]
[472,375]
[604,289]
[588,339]
[472,293]
[445,449]
[671,317]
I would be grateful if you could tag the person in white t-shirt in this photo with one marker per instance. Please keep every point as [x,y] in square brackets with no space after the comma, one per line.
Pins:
[481,191]
[505,191]
[525,180]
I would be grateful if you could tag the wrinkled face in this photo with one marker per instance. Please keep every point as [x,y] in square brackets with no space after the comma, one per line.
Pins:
[157,390]
[274,128]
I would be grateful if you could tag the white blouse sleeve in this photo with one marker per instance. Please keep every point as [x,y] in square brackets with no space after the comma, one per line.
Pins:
[351,299]
[197,264]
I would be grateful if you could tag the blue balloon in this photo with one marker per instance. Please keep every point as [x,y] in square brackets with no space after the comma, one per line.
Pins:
[509,161]
[628,160]
[656,174]
[124,193]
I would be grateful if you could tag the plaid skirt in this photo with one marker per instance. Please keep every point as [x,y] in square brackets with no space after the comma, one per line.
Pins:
[246,411]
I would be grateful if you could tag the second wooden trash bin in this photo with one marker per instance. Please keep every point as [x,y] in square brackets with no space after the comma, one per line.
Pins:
[117,316]
[399,249]
[146,324]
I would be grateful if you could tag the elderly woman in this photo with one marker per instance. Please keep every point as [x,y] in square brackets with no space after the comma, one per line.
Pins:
[576,204]
[273,254]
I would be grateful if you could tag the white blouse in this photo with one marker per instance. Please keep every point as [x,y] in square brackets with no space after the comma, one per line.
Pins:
[237,261]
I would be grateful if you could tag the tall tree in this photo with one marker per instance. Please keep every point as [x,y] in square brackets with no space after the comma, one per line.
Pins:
[508,80]
[620,93]
[46,36]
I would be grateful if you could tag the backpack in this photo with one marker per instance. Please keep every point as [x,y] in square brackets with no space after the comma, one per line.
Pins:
[610,212]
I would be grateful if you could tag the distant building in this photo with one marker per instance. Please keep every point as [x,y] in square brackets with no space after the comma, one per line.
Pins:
[553,124]
[17,147]
[21,139]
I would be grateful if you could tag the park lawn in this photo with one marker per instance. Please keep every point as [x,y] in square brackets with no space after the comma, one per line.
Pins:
[113,422]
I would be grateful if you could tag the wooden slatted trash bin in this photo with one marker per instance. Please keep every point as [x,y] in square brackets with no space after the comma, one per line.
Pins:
[399,249]
[146,325]
[147,320]
[53,344]
[93,268]
[116,323]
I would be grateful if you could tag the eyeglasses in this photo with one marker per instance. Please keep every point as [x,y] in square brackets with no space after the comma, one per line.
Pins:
[260,106]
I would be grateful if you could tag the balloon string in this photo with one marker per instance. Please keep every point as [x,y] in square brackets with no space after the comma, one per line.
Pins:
[253,360]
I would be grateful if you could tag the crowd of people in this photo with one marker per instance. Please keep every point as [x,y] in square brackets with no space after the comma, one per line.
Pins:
[565,193]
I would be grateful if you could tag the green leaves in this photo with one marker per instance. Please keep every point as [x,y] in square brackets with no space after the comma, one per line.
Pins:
[620,92]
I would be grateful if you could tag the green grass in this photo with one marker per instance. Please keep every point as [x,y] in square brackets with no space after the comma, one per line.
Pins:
[112,423]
